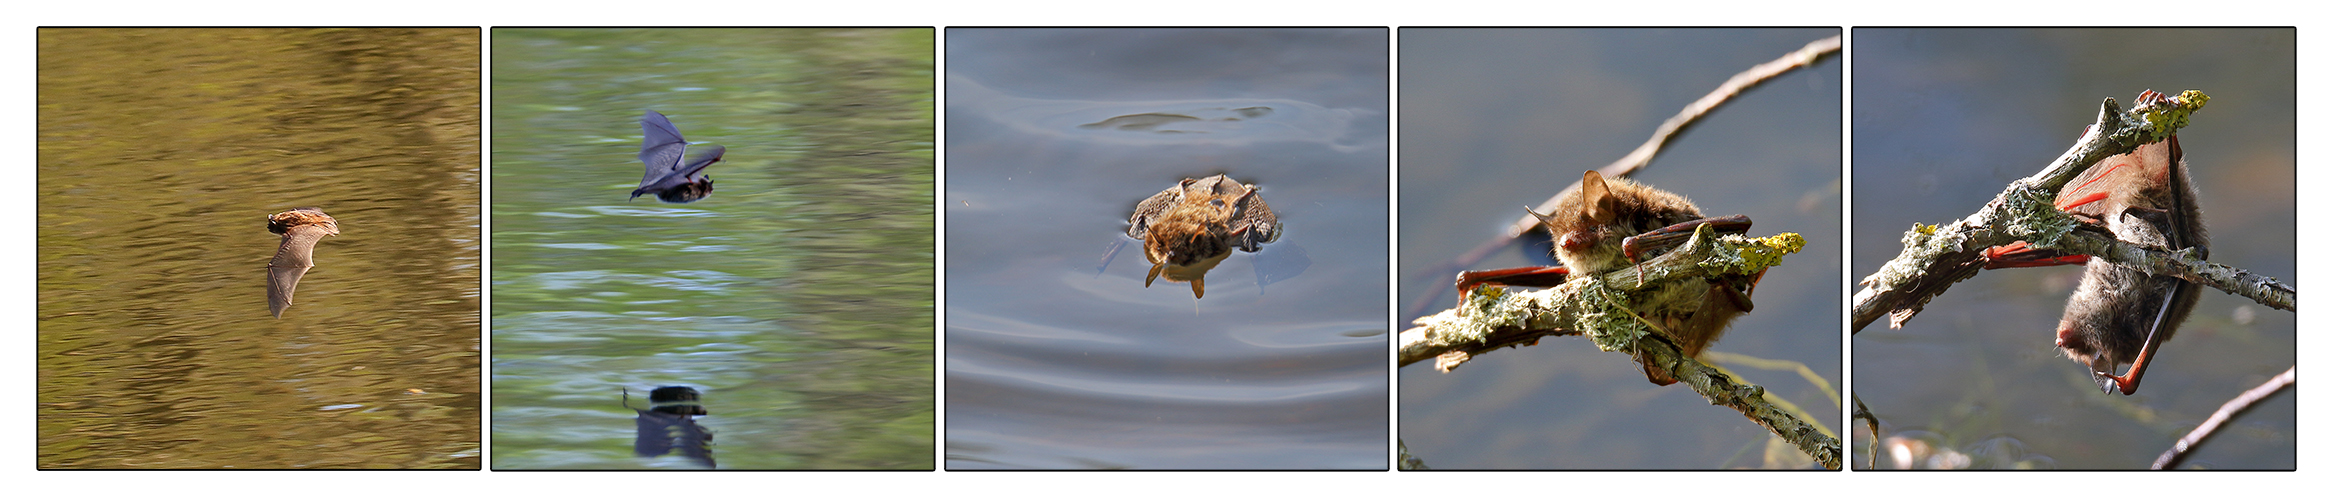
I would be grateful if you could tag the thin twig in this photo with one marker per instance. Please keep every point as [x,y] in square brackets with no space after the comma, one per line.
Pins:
[2234,407]
[1870,421]
[1814,52]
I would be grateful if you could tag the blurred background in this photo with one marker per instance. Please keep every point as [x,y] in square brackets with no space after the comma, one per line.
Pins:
[797,297]
[161,154]
[1055,362]
[1944,119]
[1497,119]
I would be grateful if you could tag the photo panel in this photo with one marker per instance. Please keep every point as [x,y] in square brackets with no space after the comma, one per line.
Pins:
[779,319]
[1985,376]
[1498,121]
[258,248]
[1167,248]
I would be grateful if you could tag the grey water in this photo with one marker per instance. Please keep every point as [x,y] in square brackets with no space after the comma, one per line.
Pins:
[1055,362]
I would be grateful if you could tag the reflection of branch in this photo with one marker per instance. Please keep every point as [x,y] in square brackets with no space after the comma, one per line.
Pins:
[2179,450]
[1935,257]
[1597,308]
[1870,421]
[1812,53]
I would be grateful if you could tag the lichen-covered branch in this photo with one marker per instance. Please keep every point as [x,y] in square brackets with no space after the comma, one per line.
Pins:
[2183,264]
[2178,452]
[1599,309]
[1935,257]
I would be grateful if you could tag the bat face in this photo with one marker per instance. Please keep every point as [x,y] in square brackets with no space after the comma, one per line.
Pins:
[301,229]
[2121,314]
[1187,229]
[669,178]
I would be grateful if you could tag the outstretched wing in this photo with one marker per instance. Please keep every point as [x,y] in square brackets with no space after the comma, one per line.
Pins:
[660,147]
[292,259]
[704,156]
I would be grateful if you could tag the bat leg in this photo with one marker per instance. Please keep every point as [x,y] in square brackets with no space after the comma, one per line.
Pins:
[2020,254]
[1734,290]
[1540,276]
[2128,382]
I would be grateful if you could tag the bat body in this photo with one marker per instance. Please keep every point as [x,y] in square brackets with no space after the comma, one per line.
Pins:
[1188,229]
[301,229]
[1611,224]
[669,178]
[2120,314]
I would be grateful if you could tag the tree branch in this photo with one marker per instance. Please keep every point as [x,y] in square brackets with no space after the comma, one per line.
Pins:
[1599,309]
[1935,257]
[2178,451]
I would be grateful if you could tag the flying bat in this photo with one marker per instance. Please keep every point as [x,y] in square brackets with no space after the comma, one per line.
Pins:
[301,228]
[669,178]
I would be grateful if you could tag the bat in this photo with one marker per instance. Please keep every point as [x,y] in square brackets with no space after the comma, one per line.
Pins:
[2121,314]
[1612,224]
[669,424]
[301,228]
[1187,229]
[669,178]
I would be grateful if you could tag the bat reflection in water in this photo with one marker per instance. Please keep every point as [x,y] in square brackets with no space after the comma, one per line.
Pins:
[1609,225]
[669,425]
[301,228]
[1188,229]
[669,178]
[2121,314]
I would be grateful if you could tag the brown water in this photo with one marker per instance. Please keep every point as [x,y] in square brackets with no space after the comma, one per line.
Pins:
[161,154]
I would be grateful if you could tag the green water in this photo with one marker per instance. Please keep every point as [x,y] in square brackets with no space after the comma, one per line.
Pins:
[161,154]
[798,296]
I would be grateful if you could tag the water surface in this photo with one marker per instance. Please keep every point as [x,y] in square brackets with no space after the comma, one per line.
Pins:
[797,297]
[161,154]
[1054,136]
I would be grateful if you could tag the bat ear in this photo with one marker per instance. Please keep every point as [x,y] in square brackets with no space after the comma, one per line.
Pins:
[1595,198]
[1199,288]
[1154,269]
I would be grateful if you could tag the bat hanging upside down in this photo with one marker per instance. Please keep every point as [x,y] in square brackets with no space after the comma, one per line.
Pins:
[1612,224]
[2122,314]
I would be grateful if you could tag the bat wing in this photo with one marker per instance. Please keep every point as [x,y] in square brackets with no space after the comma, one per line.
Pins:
[2115,182]
[703,157]
[1150,209]
[292,259]
[660,147]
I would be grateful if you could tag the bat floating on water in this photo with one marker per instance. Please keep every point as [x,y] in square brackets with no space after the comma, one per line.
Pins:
[2121,314]
[1188,229]
[302,228]
[669,178]
[1609,225]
